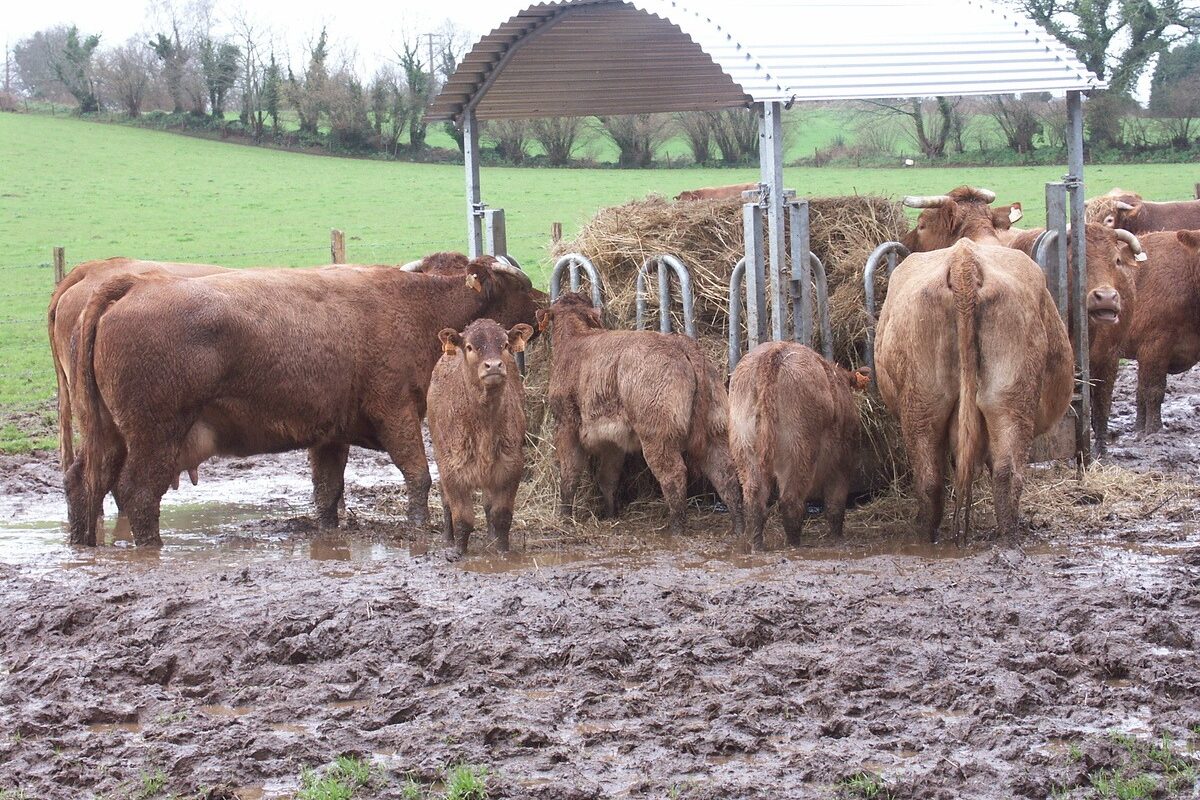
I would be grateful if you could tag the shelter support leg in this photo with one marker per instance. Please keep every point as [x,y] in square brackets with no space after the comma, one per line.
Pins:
[474,196]
[1075,187]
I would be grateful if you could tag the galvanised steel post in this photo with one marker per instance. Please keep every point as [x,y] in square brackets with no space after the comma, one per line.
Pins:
[474,198]
[770,160]
[1074,182]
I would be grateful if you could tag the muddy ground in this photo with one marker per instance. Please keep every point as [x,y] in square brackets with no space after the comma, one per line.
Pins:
[627,665]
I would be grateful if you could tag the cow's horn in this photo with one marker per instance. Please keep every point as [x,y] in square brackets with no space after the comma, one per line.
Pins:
[1134,245]
[987,194]
[926,201]
[414,266]
[1121,205]
[503,265]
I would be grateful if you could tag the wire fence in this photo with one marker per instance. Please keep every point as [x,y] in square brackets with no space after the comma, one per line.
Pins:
[23,335]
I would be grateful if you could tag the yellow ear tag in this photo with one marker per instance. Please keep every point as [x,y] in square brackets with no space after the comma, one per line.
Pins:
[519,346]
[448,348]
[473,282]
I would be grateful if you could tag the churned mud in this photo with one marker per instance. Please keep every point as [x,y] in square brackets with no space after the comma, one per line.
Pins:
[253,647]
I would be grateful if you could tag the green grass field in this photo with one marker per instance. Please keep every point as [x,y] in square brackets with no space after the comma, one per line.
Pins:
[105,190]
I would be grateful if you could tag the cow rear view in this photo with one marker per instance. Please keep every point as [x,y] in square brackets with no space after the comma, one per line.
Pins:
[617,392]
[793,432]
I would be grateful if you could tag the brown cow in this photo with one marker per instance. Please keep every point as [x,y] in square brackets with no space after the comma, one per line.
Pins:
[66,305]
[963,213]
[733,192]
[973,357]
[261,361]
[615,392]
[1130,212]
[477,423]
[1112,258]
[793,432]
[1165,334]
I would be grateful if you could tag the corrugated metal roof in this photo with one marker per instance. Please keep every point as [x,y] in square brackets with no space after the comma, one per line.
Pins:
[585,57]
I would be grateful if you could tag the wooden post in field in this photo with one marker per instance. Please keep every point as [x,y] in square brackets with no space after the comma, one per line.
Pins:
[1198,191]
[556,231]
[337,246]
[60,264]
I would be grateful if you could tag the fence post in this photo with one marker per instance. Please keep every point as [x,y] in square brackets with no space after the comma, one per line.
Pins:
[337,246]
[556,230]
[1197,190]
[60,264]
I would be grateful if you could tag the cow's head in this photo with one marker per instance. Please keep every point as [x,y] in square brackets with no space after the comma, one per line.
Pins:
[1116,209]
[965,213]
[1108,255]
[510,296]
[486,350]
[570,312]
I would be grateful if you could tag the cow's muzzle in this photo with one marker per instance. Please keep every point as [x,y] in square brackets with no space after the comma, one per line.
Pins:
[492,373]
[1104,306]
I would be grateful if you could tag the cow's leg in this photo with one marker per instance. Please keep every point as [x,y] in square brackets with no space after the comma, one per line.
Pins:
[499,508]
[447,518]
[1103,381]
[1009,437]
[926,447]
[78,509]
[837,489]
[665,460]
[328,463]
[608,475]
[462,511]
[717,466]
[795,486]
[145,477]
[1152,384]
[400,435]
[571,463]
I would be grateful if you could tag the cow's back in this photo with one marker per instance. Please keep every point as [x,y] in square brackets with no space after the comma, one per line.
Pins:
[1168,292]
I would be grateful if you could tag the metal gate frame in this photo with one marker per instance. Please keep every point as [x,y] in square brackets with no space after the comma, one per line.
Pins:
[574,262]
[891,250]
[683,277]
[799,333]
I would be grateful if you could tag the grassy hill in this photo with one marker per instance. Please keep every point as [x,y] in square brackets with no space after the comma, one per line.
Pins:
[105,190]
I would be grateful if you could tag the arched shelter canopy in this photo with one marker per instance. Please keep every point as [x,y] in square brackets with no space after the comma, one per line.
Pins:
[590,57]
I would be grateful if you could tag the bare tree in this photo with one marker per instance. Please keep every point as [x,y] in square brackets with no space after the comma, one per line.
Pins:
[33,59]
[1017,118]
[929,123]
[558,137]
[697,128]
[419,86]
[512,138]
[1182,118]
[389,108]
[637,136]
[735,132]
[306,92]
[253,74]
[126,75]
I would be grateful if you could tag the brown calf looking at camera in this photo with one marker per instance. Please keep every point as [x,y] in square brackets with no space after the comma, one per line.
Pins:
[476,412]
[793,431]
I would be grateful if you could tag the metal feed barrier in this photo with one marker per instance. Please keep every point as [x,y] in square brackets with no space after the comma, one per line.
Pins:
[684,280]
[573,263]
[891,250]
[801,308]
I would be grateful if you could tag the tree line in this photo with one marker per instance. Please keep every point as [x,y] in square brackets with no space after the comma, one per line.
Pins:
[230,77]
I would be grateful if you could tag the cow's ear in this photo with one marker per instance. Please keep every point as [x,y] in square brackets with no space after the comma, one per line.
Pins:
[542,316]
[596,317]
[451,341]
[1189,239]
[518,335]
[1004,216]
[477,275]
[862,378]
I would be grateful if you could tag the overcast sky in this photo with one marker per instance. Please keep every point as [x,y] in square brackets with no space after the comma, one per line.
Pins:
[367,30]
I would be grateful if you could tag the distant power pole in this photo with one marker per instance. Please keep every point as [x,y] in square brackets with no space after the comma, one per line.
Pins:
[432,68]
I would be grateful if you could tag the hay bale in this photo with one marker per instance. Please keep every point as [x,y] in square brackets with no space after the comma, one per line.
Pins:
[707,236]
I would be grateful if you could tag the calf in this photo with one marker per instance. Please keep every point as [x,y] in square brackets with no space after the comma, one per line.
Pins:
[793,432]
[733,192]
[1165,334]
[617,392]
[1132,213]
[476,412]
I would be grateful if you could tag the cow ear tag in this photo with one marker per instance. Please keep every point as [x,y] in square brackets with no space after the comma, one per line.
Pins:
[473,282]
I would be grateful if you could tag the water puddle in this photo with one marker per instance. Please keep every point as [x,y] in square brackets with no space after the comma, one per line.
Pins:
[115,727]
[229,712]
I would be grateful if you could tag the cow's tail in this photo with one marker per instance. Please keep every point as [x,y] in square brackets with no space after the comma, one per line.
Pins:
[709,416]
[66,444]
[965,276]
[99,437]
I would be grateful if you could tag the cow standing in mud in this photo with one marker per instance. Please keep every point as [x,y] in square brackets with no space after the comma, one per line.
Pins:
[1165,334]
[793,432]
[617,392]
[66,307]
[175,371]
[1112,261]
[971,355]
[477,423]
